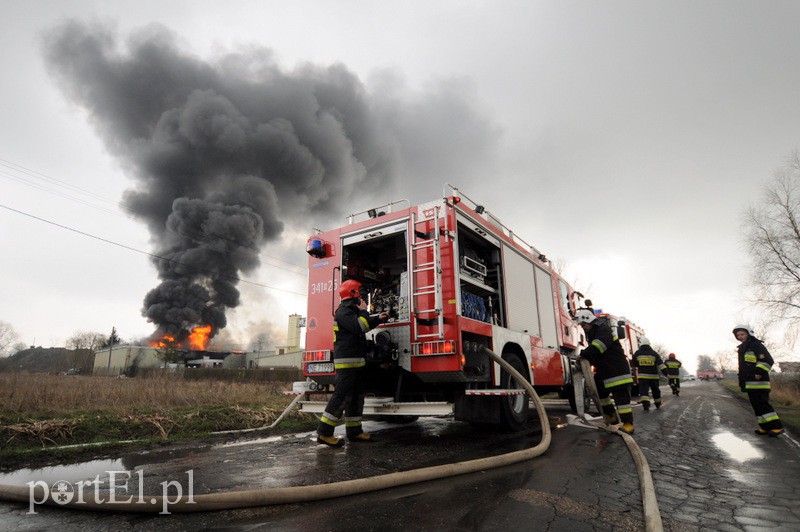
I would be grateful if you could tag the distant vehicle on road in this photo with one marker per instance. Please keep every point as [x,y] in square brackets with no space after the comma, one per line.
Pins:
[710,375]
[690,378]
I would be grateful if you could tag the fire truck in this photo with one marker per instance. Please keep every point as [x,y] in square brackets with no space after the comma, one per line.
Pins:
[454,280]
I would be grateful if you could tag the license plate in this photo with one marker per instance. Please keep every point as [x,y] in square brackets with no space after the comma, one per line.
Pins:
[320,368]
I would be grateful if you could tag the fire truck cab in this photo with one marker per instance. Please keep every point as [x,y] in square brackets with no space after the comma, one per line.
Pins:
[454,280]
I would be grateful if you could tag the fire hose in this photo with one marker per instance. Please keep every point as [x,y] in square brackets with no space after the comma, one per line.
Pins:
[295,494]
[652,517]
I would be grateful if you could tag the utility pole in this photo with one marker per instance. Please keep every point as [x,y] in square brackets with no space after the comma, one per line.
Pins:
[110,348]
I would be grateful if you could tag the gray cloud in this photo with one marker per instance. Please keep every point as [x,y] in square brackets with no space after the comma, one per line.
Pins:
[225,152]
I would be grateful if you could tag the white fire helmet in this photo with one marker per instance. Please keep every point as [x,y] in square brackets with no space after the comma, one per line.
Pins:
[585,316]
[743,327]
[644,340]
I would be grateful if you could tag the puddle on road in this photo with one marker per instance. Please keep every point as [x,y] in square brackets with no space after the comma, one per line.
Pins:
[70,473]
[737,448]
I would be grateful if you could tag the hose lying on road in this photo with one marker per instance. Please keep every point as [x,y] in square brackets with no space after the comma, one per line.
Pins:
[652,517]
[268,496]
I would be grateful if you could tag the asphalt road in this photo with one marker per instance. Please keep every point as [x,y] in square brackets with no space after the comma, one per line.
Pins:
[710,471]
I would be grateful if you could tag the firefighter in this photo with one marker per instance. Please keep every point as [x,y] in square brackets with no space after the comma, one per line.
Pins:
[754,365]
[350,325]
[674,373]
[648,366]
[613,371]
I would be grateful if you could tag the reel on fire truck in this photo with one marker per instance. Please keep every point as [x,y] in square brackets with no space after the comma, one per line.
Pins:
[384,352]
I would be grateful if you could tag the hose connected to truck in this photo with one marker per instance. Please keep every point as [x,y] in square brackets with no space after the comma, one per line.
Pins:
[270,496]
[652,517]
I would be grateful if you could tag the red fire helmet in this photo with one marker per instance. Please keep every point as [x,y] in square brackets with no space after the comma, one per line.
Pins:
[350,289]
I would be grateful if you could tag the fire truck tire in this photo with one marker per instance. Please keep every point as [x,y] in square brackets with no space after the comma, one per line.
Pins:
[514,408]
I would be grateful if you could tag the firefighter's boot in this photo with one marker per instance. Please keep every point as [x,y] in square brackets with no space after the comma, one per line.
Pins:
[360,437]
[761,432]
[658,404]
[627,428]
[611,419]
[646,404]
[331,441]
[775,433]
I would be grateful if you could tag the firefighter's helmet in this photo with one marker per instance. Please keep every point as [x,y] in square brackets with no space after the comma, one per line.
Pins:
[743,327]
[672,355]
[644,340]
[585,316]
[350,289]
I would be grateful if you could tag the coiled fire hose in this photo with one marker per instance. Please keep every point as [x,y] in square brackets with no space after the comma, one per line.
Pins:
[652,517]
[269,496]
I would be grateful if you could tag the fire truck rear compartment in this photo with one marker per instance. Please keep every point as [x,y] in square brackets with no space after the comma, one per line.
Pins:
[380,264]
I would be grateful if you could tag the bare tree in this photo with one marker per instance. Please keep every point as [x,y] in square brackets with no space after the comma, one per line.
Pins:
[772,235]
[86,340]
[8,338]
[725,361]
[704,363]
[661,349]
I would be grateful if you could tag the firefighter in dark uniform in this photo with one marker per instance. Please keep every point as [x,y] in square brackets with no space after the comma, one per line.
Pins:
[351,323]
[754,365]
[648,366]
[613,371]
[674,373]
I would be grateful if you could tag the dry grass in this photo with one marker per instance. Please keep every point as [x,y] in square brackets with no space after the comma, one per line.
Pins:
[786,389]
[55,395]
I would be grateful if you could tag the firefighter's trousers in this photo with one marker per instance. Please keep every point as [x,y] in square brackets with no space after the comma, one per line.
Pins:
[645,387]
[622,400]
[675,384]
[767,417]
[348,399]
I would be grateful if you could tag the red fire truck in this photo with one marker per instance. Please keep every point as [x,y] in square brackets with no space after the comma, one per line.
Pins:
[454,279]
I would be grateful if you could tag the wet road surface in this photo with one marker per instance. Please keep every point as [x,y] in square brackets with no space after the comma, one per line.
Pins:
[710,472]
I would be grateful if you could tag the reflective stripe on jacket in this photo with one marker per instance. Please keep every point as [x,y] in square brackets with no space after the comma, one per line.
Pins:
[648,363]
[754,360]
[606,355]
[350,326]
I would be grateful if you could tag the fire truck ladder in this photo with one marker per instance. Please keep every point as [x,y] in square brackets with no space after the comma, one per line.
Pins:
[421,240]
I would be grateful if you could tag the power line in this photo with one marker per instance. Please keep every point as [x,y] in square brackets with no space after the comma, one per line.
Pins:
[230,277]
[122,206]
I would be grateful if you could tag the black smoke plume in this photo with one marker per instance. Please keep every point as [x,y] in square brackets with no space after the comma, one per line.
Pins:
[225,152]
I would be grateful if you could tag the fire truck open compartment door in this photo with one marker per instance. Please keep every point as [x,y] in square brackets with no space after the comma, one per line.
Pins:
[378,259]
[480,274]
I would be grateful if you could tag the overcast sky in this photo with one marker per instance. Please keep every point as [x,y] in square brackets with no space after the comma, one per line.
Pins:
[625,139]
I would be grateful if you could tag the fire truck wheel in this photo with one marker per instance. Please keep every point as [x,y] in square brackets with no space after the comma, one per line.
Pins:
[514,414]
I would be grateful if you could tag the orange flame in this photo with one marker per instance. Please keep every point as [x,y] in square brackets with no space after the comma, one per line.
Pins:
[164,342]
[199,337]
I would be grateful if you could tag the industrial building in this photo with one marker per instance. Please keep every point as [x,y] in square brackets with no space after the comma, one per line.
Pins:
[126,359]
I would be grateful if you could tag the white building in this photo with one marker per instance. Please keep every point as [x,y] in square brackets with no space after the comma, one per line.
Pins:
[286,356]
[120,358]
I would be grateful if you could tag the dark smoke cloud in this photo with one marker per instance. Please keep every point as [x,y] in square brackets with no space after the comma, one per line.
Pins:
[225,151]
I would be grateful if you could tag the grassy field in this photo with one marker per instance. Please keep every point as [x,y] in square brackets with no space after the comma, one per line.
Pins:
[40,414]
[41,411]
